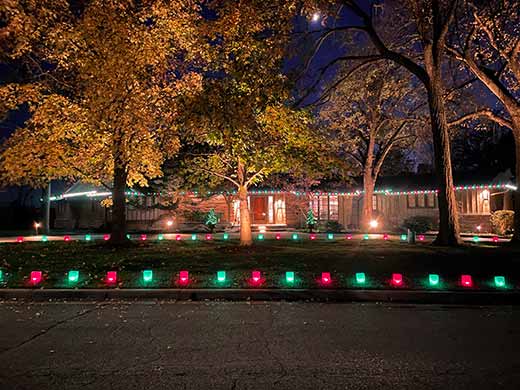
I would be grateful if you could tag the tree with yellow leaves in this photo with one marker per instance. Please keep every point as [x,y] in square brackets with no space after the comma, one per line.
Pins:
[102,80]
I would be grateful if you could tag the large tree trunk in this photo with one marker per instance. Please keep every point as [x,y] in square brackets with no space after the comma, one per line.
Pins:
[118,234]
[246,237]
[448,212]
[515,120]
[366,215]
[368,186]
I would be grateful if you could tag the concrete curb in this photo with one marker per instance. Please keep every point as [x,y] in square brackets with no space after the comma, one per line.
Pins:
[321,295]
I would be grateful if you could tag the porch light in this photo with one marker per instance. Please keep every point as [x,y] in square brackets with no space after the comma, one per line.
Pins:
[373,224]
[36,277]
[315,17]
[169,223]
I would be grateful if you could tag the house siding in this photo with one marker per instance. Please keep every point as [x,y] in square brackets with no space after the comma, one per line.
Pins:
[475,206]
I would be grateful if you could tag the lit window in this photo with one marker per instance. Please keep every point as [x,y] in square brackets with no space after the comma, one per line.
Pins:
[324,208]
[484,195]
[333,208]
[411,201]
[374,202]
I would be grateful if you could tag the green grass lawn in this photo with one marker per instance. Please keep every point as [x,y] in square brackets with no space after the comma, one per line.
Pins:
[377,259]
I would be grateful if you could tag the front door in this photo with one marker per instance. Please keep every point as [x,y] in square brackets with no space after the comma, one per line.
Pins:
[260,214]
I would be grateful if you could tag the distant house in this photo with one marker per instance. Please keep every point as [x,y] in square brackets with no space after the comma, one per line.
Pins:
[395,200]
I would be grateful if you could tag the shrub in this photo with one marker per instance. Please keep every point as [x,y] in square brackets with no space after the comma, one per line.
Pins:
[419,223]
[502,221]
[333,227]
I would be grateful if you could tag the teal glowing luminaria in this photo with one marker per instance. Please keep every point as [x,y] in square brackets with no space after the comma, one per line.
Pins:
[193,237]
[45,238]
[260,236]
[500,281]
[1,275]
[433,279]
[360,278]
[221,276]
[225,236]
[294,236]
[73,276]
[476,238]
[160,237]
[404,237]
[128,236]
[88,237]
[365,237]
[289,277]
[147,275]
[330,236]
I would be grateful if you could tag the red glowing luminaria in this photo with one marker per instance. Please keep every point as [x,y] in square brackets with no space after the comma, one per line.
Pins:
[184,277]
[111,277]
[36,277]
[466,280]
[397,279]
[325,277]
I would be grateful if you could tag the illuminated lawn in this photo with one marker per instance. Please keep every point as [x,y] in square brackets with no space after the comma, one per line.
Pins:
[369,264]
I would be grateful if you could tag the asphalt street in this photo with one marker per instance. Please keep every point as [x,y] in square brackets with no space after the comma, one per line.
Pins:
[256,345]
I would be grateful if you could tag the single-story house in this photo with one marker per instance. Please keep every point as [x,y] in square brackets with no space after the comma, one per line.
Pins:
[394,200]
